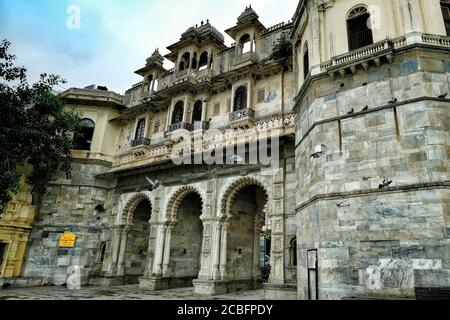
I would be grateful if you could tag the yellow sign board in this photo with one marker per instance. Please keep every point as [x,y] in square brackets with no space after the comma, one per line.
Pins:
[67,240]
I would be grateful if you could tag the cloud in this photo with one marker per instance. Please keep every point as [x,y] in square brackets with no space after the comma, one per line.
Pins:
[115,36]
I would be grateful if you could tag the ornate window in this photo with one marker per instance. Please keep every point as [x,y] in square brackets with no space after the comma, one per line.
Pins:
[240,98]
[178,112]
[197,113]
[359,28]
[245,44]
[203,63]
[140,129]
[185,61]
[83,141]
[445,6]
[305,60]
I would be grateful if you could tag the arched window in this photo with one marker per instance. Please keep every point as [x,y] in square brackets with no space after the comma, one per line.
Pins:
[185,61]
[101,257]
[150,82]
[178,112]
[197,113]
[83,140]
[203,63]
[293,252]
[140,129]
[245,44]
[194,62]
[240,98]
[445,6]
[305,60]
[359,28]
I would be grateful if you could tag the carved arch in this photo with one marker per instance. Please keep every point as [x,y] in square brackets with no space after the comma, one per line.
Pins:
[177,198]
[232,191]
[131,206]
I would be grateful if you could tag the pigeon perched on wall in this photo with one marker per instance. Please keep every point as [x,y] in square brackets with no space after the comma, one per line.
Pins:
[393,101]
[365,108]
[351,111]
[153,185]
[386,184]
[442,96]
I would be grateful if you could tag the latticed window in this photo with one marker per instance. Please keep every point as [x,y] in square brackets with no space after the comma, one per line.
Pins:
[445,6]
[240,99]
[359,28]
[140,129]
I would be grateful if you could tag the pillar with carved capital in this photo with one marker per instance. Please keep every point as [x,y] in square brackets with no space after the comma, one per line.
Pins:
[115,247]
[217,232]
[122,252]
[159,251]
[223,250]
[166,258]
[204,106]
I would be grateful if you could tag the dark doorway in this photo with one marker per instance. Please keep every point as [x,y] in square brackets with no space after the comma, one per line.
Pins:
[178,112]
[197,113]
[358,28]
[240,99]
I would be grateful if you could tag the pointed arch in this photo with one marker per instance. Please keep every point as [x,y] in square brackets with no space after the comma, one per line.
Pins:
[232,191]
[177,198]
[131,206]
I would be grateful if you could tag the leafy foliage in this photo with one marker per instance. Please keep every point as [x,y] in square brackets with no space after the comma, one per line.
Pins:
[282,48]
[35,130]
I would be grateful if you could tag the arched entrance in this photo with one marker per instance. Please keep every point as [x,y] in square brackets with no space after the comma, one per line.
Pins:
[247,262]
[186,239]
[137,241]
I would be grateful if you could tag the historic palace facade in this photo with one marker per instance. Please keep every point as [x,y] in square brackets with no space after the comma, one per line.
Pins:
[317,174]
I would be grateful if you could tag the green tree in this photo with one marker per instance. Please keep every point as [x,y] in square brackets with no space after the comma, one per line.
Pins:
[282,48]
[35,130]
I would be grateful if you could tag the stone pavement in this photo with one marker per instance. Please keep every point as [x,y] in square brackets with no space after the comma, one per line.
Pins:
[117,293]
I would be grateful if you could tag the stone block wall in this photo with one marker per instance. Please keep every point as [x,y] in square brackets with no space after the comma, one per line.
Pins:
[70,206]
[371,241]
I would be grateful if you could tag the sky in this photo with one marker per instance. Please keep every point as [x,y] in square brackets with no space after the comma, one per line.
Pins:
[112,38]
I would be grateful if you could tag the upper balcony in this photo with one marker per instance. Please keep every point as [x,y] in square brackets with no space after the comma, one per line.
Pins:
[242,118]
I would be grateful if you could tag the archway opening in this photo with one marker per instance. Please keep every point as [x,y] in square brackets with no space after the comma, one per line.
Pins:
[248,249]
[197,113]
[137,243]
[186,242]
[359,28]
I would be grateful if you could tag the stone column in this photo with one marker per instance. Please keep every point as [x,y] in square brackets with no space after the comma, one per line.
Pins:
[116,239]
[153,84]
[169,116]
[123,248]
[256,248]
[204,107]
[185,111]
[223,250]
[159,250]
[166,258]
[314,55]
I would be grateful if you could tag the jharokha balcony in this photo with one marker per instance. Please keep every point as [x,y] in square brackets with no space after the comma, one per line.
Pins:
[242,118]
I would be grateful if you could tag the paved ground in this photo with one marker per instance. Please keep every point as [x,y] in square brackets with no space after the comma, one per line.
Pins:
[117,293]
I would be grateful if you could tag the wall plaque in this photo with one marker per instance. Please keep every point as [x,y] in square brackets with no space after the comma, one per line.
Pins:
[67,240]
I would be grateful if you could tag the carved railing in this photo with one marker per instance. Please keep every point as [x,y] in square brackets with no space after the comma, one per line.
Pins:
[436,40]
[201,125]
[358,54]
[179,126]
[140,142]
[242,114]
